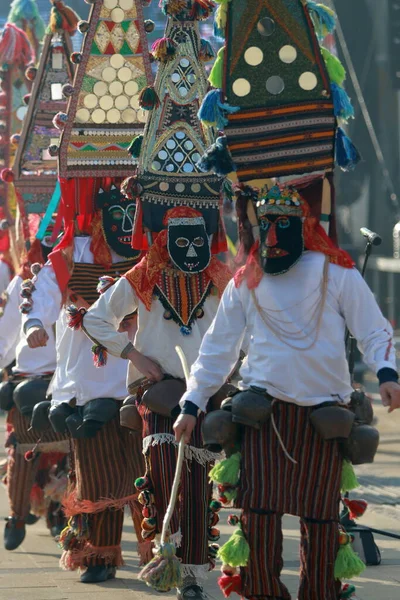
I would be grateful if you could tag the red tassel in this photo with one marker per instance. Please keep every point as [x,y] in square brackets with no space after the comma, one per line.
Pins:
[230,584]
[29,455]
[201,9]
[75,317]
[99,356]
[356,507]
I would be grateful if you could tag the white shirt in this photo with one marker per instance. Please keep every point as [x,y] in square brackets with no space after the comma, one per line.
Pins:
[5,276]
[13,344]
[304,376]
[75,375]
[156,337]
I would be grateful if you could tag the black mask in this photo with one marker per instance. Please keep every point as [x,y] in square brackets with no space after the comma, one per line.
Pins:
[281,242]
[117,215]
[189,245]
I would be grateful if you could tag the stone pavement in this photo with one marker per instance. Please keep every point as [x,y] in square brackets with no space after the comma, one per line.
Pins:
[32,573]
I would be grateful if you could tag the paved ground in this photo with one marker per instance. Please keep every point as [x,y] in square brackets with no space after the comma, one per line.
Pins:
[32,573]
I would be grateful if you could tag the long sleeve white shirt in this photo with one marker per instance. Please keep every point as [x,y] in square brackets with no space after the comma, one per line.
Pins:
[5,276]
[305,375]
[156,337]
[75,375]
[13,344]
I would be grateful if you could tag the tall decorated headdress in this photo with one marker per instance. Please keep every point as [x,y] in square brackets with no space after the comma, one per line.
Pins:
[26,16]
[287,89]
[103,110]
[174,139]
[35,165]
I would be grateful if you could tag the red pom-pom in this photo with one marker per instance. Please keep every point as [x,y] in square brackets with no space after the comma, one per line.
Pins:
[7,175]
[356,507]
[76,58]
[26,99]
[30,73]
[230,584]
[15,139]
[29,455]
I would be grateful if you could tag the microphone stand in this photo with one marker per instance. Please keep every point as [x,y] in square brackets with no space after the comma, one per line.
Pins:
[349,524]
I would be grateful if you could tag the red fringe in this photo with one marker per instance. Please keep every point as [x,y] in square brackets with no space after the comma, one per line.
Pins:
[72,506]
[145,552]
[74,559]
[356,507]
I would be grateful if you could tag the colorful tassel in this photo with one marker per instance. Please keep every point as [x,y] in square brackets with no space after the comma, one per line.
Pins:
[201,9]
[206,51]
[100,355]
[336,71]
[220,19]
[148,98]
[217,158]
[23,11]
[172,8]
[213,111]
[75,316]
[15,48]
[227,471]
[236,551]
[347,155]
[131,188]
[356,507]
[62,18]
[342,104]
[349,480]
[163,572]
[164,49]
[216,75]
[230,584]
[105,282]
[136,146]
[323,18]
[348,564]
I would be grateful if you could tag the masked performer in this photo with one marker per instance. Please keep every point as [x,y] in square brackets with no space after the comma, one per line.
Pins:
[85,399]
[295,296]
[27,386]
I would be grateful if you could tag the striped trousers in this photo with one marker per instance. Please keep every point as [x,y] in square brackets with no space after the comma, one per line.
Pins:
[271,485]
[190,517]
[21,474]
[105,468]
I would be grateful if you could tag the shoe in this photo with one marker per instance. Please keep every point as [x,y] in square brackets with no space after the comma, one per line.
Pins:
[14,533]
[191,592]
[31,519]
[98,574]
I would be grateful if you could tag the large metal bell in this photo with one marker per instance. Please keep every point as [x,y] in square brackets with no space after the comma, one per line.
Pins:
[361,406]
[163,397]
[332,422]
[361,446]
[252,407]
[129,415]
[220,433]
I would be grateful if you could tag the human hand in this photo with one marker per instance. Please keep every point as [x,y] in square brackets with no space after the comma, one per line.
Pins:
[184,426]
[146,366]
[37,337]
[390,394]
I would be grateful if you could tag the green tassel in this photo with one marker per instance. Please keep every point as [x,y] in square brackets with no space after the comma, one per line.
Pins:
[236,551]
[226,472]
[348,564]
[349,480]
[136,146]
[216,75]
[336,71]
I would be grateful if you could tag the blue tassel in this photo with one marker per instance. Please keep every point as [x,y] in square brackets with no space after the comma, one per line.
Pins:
[212,111]
[217,158]
[206,52]
[324,19]
[185,330]
[218,33]
[347,155]
[343,107]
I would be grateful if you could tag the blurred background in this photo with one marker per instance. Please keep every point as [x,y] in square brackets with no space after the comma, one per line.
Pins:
[370,196]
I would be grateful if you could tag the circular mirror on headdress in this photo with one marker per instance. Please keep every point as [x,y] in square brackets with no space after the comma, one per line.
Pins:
[275,85]
[254,56]
[241,87]
[288,54]
[266,26]
[308,81]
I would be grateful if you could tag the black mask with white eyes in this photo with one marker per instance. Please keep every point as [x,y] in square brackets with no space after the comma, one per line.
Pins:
[117,214]
[189,244]
[281,242]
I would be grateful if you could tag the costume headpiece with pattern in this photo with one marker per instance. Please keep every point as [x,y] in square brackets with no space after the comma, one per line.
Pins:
[174,138]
